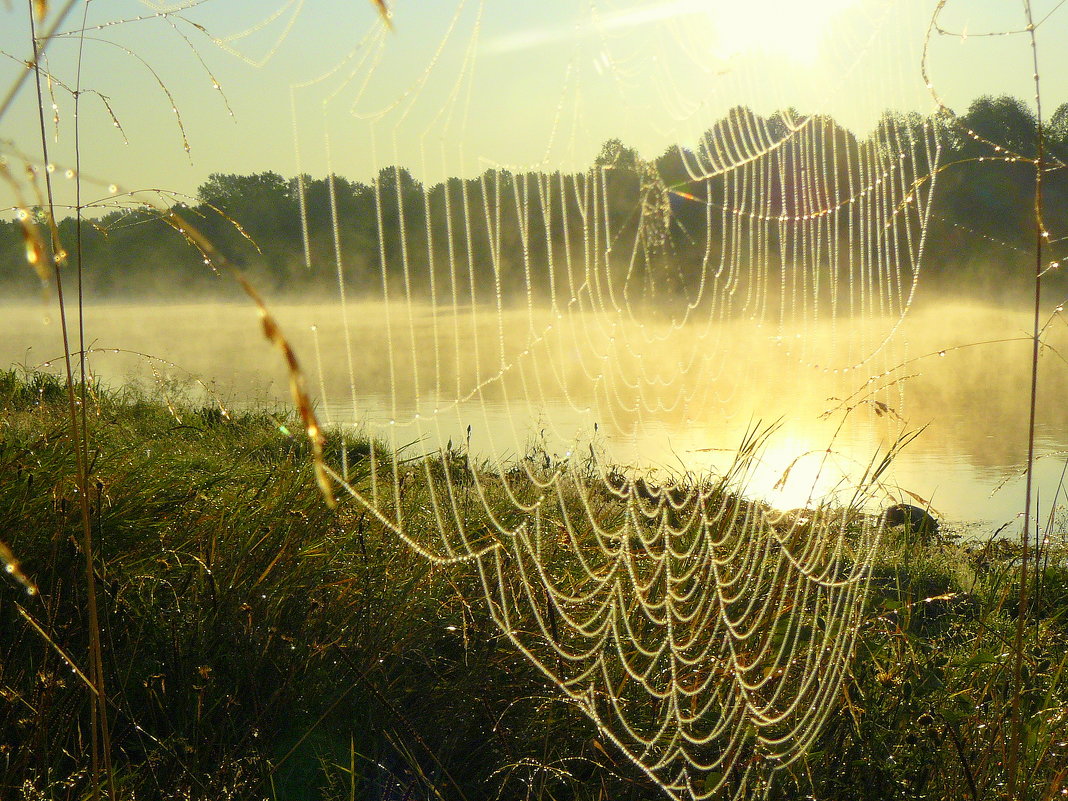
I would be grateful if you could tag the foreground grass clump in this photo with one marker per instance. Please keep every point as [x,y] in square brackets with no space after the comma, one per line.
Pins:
[926,712]
[259,645]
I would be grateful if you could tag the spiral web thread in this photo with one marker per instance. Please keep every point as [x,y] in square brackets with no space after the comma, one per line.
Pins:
[706,635]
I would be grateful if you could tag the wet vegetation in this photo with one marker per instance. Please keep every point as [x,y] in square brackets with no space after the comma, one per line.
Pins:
[260,645]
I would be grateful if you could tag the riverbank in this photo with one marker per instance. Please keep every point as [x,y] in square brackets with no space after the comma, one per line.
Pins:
[258,644]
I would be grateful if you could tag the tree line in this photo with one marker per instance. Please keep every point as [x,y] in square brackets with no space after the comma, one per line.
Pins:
[650,222]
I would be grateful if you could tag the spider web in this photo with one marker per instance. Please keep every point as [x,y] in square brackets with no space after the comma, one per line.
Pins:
[705,634]
[531,319]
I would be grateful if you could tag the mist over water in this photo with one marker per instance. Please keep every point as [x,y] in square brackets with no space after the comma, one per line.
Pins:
[642,394]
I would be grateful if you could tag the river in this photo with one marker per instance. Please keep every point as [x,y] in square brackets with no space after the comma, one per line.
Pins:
[642,393]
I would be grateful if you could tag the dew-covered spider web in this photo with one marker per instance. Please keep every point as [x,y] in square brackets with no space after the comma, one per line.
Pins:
[590,238]
[592,294]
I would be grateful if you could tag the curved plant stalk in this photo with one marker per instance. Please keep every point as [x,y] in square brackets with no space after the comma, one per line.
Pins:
[12,92]
[273,332]
[55,82]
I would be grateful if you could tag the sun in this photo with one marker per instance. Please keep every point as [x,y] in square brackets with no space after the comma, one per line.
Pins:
[795,472]
[784,28]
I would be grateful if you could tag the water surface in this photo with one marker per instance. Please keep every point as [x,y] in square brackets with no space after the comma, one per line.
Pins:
[643,394]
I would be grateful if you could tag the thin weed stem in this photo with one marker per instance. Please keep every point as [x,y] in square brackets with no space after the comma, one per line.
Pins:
[1016,732]
[100,746]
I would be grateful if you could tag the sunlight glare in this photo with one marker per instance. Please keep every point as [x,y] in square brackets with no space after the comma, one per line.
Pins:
[784,28]
[792,474]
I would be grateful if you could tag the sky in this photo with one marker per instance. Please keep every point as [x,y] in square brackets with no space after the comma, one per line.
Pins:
[454,87]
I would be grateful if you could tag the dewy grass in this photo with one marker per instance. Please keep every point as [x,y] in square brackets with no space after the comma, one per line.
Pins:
[258,644]
[238,610]
[48,262]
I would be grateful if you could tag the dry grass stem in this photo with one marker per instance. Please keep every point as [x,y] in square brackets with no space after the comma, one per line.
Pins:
[14,569]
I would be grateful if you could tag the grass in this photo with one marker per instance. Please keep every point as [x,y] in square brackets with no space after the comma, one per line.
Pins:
[258,644]
[927,710]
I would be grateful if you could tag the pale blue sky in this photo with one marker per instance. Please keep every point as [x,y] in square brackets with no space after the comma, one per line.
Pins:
[456,88]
